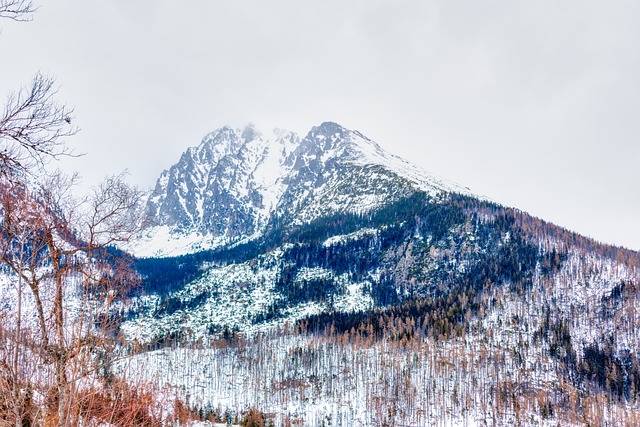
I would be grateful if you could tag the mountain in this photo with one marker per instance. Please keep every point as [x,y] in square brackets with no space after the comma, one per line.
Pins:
[229,187]
[331,282]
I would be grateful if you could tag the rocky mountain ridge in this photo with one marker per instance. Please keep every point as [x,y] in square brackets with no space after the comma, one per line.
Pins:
[231,186]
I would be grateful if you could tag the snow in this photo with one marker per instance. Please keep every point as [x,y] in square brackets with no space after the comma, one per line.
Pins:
[370,153]
[355,299]
[269,173]
[320,381]
[233,296]
[165,241]
[341,383]
[351,236]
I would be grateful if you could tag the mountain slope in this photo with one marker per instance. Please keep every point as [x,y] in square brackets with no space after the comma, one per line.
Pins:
[466,310]
[227,186]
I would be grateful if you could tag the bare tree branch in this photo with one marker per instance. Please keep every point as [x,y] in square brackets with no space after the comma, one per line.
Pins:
[56,255]
[33,126]
[115,212]
[17,10]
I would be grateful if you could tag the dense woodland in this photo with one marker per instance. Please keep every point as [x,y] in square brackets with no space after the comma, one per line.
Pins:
[480,312]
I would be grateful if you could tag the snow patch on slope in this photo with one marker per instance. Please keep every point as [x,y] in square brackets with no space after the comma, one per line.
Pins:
[369,152]
[165,241]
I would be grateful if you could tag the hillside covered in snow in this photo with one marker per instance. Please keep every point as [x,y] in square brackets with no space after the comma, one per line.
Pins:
[324,281]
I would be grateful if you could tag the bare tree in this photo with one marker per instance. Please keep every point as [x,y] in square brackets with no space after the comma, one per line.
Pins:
[33,127]
[58,253]
[60,275]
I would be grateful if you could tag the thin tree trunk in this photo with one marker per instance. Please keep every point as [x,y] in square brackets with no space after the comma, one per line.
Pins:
[61,354]
[61,379]
[17,401]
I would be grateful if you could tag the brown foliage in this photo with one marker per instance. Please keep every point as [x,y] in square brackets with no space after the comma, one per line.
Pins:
[119,405]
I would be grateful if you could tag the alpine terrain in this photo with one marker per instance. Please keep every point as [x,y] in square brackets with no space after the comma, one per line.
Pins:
[321,280]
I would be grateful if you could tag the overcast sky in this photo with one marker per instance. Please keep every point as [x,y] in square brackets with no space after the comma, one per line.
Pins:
[534,104]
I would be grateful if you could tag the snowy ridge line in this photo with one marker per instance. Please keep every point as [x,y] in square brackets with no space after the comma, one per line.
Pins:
[374,154]
[229,187]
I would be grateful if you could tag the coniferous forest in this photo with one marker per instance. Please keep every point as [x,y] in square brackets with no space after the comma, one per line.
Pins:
[474,312]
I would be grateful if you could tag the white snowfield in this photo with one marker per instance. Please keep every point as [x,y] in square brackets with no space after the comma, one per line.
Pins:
[234,296]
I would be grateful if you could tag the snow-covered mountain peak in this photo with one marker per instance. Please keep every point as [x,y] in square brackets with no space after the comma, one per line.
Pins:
[332,142]
[217,144]
[328,132]
[250,132]
[333,139]
[230,186]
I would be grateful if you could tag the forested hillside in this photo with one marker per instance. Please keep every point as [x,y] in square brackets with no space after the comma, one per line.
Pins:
[429,308]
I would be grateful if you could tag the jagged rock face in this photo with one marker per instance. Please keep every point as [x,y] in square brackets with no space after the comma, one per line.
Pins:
[236,181]
[336,170]
[227,185]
